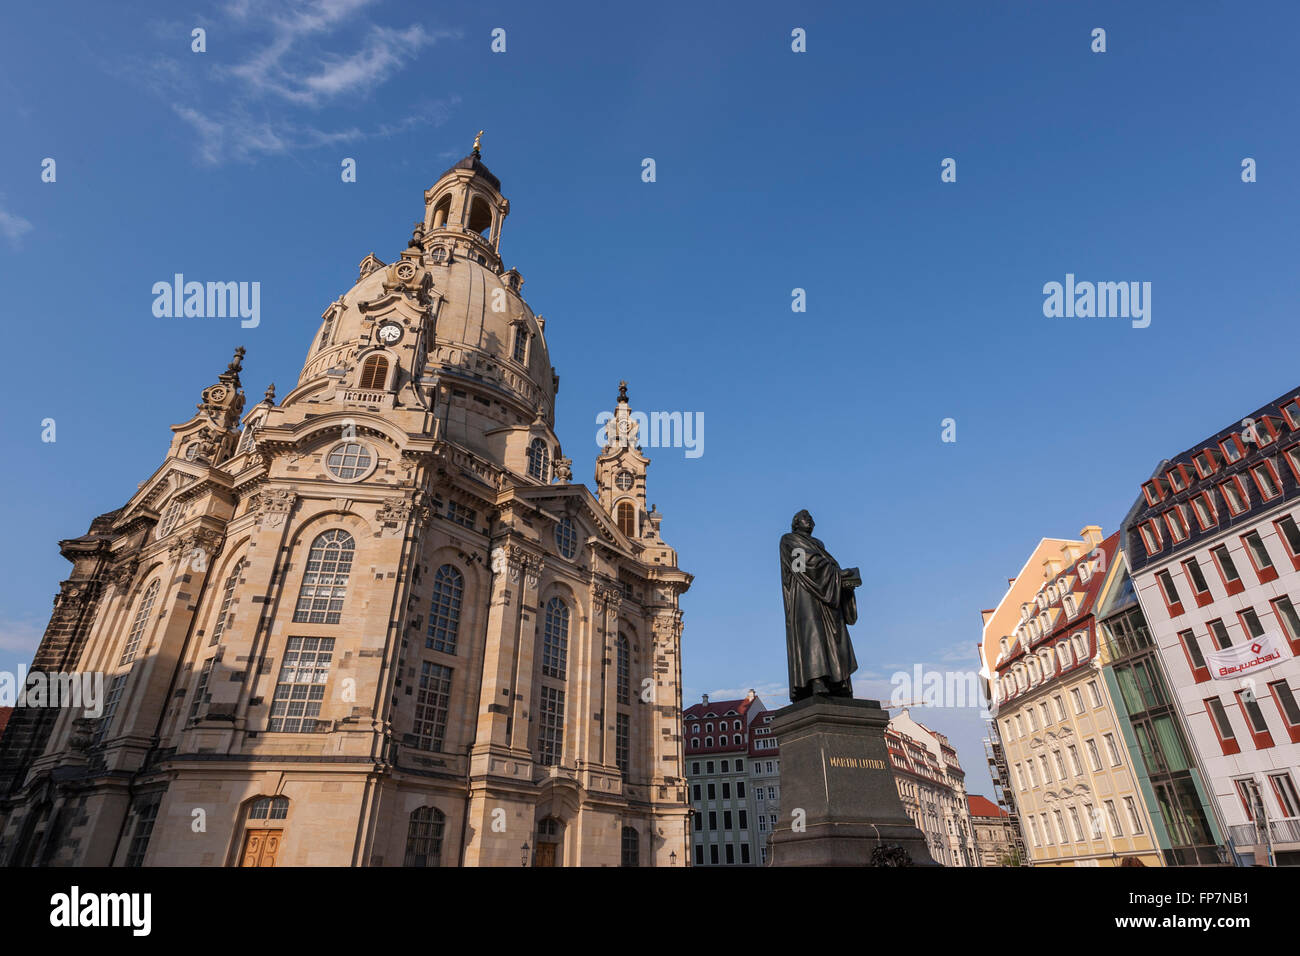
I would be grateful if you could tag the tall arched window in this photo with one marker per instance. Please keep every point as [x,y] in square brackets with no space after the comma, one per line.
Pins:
[141,619]
[539,460]
[441,212]
[631,847]
[424,837]
[224,616]
[555,643]
[374,372]
[624,686]
[521,343]
[325,583]
[480,217]
[444,613]
[625,515]
[325,331]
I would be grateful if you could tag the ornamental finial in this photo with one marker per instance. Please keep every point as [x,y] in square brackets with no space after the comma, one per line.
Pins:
[622,393]
[270,394]
[476,141]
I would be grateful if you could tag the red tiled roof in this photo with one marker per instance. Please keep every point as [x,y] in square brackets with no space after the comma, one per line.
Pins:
[983,806]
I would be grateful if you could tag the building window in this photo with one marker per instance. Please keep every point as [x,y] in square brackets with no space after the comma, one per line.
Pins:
[1219,634]
[622,735]
[374,373]
[269,808]
[170,516]
[1076,824]
[1203,508]
[424,837]
[1234,493]
[431,706]
[137,626]
[1285,791]
[301,687]
[566,538]
[1095,693]
[1150,536]
[1205,463]
[1094,758]
[625,515]
[444,610]
[1075,763]
[1177,524]
[521,343]
[325,331]
[225,616]
[1232,448]
[201,690]
[555,645]
[1169,592]
[550,733]
[349,460]
[1250,623]
[1285,612]
[1195,659]
[699,853]
[1112,750]
[631,847]
[146,813]
[112,699]
[457,513]
[1258,554]
[1266,481]
[1113,815]
[1094,821]
[1227,570]
[1196,578]
[1077,697]
[539,460]
[1222,727]
[1255,721]
[325,582]
[623,684]
[1289,532]
[1134,818]
[1060,763]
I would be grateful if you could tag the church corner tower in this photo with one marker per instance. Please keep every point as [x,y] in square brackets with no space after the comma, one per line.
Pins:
[374,622]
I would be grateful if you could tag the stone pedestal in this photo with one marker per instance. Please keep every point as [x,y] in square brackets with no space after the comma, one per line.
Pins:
[836,769]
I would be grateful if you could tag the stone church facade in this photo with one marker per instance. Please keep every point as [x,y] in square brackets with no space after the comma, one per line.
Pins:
[376,623]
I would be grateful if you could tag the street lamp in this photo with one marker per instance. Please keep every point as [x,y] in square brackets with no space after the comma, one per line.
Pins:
[672,858]
[523,854]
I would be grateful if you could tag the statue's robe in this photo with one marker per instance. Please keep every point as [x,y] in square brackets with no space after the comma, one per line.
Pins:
[818,610]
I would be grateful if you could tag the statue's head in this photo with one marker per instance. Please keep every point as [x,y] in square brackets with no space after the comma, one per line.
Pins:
[802,522]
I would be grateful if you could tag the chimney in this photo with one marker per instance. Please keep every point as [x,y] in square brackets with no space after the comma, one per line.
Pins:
[1051,567]
[1091,536]
[1071,552]
[751,695]
[705,698]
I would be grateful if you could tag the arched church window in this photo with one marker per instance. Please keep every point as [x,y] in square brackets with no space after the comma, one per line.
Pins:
[325,331]
[625,514]
[325,582]
[521,343]
[555,642]
[374,372]
[444,613]
[269,808]
[424,837]
[624,685]
[224,617]
[137,626]
[480,217]
[539,460]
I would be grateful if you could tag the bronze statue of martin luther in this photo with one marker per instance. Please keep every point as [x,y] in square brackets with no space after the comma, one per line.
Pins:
[819,606]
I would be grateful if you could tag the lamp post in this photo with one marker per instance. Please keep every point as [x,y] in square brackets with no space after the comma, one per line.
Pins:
[523,854]
[672,858]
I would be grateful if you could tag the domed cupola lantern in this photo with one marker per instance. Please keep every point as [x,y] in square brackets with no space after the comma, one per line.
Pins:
[464,211]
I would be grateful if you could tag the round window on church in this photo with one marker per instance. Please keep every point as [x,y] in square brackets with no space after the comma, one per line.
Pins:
[624,480]
[566,538]
[349,461]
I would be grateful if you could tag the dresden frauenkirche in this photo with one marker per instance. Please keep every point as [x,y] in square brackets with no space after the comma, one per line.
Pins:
[377,622]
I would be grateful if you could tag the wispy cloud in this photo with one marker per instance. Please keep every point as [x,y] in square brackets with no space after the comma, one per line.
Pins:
[13,226]
[294,60]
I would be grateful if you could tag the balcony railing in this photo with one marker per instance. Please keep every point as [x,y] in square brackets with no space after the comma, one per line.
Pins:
[1286,830]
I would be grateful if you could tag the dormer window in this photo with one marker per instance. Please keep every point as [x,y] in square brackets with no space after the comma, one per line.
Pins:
[1266,431]
[1150,536]
[1154,491]
[1234,493]
[1203,508]
[1178,477]
[1177,524]
[1291,411]
[1071,608]
[1206,463]
[1232,448]
[521,344]
[539,460]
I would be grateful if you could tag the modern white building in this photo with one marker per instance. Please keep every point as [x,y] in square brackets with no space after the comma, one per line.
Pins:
[1214,548]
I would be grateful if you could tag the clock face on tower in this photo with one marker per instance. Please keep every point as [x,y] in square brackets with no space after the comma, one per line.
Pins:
[389,333]
[623,480]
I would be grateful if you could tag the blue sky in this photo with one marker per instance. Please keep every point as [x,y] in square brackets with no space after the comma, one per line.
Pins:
[775,171]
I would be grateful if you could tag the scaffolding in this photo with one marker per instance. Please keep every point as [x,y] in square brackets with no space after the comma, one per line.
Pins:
[1002,792]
